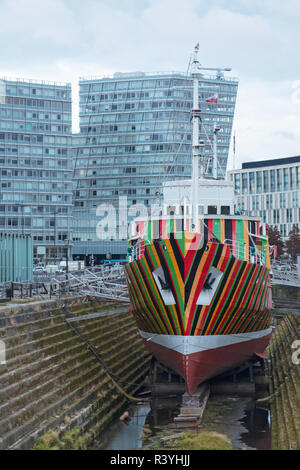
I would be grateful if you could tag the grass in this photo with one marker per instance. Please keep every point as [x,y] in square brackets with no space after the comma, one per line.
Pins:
[71,440]
[200,441]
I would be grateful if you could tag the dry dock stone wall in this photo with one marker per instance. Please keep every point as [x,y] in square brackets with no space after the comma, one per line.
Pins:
[284,354]
[53,381]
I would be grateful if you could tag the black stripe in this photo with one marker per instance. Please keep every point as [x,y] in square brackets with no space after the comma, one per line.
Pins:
[217,255]
[228,229]
[178,255]
[205,230]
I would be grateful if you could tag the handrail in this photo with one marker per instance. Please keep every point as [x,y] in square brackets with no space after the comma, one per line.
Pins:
[245,252]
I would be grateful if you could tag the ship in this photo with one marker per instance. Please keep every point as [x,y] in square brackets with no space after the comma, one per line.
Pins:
[198,273]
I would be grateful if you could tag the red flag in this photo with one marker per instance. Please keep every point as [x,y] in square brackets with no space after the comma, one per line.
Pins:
[212,99]
[275,251]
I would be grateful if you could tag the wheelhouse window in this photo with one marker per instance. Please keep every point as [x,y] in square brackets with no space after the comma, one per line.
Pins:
[225,210]
[212,210]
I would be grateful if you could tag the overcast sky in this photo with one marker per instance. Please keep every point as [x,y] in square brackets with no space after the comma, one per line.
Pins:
[63,40]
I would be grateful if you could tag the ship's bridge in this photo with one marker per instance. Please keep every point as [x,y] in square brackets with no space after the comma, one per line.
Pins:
[214,197]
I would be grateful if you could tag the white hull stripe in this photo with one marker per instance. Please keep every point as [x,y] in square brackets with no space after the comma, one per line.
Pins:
[193,344]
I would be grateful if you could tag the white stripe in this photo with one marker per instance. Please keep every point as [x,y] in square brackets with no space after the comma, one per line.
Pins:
[192,344]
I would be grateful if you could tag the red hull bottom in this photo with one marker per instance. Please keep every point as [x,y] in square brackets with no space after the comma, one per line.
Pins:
[198,367]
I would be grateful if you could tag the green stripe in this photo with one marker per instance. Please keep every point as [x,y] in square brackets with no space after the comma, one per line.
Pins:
[217,228]
[240,238]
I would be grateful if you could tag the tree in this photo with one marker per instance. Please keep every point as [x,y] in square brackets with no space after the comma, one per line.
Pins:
[275,239]
[293,242]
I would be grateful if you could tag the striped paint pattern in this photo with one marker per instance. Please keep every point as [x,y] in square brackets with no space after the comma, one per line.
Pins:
[239,305]
[224,228]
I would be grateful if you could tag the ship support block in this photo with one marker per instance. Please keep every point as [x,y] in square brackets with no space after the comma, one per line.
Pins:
[192,407]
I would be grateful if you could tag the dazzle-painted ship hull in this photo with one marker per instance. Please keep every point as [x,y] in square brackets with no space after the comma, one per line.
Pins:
[200,310]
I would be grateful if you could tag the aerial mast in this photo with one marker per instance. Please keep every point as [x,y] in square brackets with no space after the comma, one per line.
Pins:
[215,156]
[196,144]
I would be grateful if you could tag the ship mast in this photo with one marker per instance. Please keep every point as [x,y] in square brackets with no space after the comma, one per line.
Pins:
[196,145]
[215,157]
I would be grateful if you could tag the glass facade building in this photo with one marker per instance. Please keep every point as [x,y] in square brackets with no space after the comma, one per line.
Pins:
[36,164]
[270,189]
[135,134]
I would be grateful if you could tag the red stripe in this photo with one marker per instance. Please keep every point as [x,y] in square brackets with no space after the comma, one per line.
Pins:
[210,226]
[190,255]
[234,250]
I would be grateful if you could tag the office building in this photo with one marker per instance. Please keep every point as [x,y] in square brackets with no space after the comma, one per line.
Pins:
[36,164]
[270,189]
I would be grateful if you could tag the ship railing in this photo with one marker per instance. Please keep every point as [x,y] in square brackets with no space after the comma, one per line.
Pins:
[239,250]
[246,252]
[136,252]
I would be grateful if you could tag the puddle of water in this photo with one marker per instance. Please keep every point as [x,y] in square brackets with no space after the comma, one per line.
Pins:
[247,426]
[258,425]
[127,436]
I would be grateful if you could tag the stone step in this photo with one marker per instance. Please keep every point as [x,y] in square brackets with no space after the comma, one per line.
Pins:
[24,414]
[64,334]
[49,416]
[34,392]
[57,360]
[44,355]
[53,373]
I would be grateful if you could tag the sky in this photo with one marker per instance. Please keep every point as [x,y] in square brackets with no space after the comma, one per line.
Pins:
[63,40]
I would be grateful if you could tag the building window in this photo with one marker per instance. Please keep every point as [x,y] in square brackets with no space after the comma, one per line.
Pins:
[276,216]
[269,201]
[279,180]
[273,178]
[286,179]
[252,182]
[293,177]
[289,215]
[237,183]
[259,182]
[282,200]
[298,176]
[245,183]
[266,181]
[295,199]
